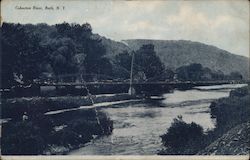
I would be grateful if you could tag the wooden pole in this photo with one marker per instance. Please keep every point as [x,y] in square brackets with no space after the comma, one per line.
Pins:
[131,90]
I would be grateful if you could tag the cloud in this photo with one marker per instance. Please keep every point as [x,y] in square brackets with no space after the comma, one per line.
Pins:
[224,24]
[197,25]
[197,20]
[145,5]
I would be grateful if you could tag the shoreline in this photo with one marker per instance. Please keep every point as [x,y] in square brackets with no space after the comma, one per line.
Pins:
[70,103]
[219,141]
[11,108]
[81,126]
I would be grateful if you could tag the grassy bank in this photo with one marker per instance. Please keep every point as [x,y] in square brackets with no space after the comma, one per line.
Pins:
[15,107]
[52,134]
[230,112]
[56,134]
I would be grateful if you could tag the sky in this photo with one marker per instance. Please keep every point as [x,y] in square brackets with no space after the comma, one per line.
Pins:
[222,23]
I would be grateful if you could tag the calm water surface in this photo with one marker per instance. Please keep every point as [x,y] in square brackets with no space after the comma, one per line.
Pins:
[138,126]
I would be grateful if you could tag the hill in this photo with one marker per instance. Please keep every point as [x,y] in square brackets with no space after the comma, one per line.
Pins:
[35,52]
[112,47]
[175,54]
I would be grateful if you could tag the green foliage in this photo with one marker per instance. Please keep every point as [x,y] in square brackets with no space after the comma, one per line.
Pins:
[235,76]
[122,65]
[183,138]
[147,65]
[15,46]
[34,51]
[42,52]
[233,110]
[196,72]
[36,135]
[22,138]
[191,72]
[148,62]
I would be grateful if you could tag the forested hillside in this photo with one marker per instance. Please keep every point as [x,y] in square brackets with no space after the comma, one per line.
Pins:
[32,51]
[175,54]
[35,52]
[39,52]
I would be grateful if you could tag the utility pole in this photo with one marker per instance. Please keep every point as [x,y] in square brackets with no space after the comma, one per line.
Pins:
[131,90]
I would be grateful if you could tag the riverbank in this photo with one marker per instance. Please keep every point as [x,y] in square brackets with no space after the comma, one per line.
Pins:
[14,108]
[234,142]
[50,134]
[136,127]
[57,134]
[230,136]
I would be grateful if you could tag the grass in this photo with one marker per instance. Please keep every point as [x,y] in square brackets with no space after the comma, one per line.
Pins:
[41,131]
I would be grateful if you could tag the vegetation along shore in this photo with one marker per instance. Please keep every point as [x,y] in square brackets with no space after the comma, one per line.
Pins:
[231,135]
[28,125]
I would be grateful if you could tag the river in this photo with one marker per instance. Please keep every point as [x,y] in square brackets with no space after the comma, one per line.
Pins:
[138,125]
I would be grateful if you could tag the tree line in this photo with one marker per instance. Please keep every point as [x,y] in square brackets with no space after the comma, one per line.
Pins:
[34,51]
[31,52]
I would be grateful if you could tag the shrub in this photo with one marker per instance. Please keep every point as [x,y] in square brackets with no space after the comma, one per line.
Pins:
[37,134]
[183,138]
[22,138]
[231,111]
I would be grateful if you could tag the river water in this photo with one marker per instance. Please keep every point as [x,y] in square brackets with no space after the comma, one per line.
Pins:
[138,125]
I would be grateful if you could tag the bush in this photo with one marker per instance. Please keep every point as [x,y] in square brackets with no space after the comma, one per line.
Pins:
[183,138]
[240,92]
[22,138]
[231,111]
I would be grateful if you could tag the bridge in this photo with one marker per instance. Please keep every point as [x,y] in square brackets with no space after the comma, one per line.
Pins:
[195,83]
[100,79]
[76,87]
[148,88]
[79,84]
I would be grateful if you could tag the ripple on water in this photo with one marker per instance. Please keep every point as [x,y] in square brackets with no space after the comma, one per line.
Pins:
[138,126]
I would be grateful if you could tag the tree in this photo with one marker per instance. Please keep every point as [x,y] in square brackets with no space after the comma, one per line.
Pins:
[9,52]
[148,62]
[235,76]
[122,65]
[124,60]
[21,54]
[191,72]
[84,43]
[62,56]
